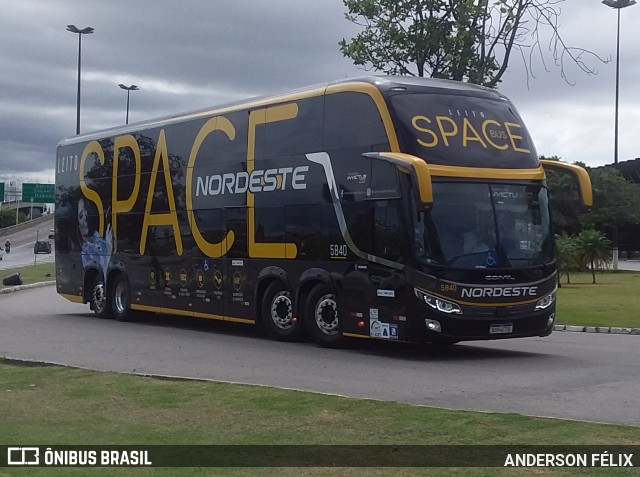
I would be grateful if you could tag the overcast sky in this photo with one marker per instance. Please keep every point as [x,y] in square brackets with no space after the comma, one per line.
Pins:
[190,54]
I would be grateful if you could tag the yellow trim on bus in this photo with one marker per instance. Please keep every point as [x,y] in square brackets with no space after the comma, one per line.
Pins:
[353,335]
[353,87]
[378,99]
[350,87]
[581,176]
[73,298]
[194,314]
[422,173]
[486,172]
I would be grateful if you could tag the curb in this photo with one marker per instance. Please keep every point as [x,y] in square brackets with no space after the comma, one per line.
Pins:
[26,287]
[609,330]
[613,330]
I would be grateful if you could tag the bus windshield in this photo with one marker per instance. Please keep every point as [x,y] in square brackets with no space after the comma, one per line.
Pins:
[473,225]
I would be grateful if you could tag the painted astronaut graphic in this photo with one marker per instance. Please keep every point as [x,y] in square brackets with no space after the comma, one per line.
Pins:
[96,250]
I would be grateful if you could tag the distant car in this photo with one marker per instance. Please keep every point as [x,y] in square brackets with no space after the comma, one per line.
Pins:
[42,246]
[52,234]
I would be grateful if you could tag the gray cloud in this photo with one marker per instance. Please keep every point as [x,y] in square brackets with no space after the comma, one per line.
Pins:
[192,54]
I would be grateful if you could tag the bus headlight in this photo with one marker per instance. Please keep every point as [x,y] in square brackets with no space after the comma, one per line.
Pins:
[438,303]
[546,302]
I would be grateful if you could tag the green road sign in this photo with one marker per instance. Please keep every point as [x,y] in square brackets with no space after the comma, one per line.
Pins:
[39,193]
[1,191]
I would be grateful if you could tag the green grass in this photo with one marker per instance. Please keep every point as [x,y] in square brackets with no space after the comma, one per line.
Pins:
[66,406]
[41,272]
[613,301]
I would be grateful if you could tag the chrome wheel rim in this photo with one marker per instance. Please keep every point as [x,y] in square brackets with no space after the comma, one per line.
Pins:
[327,314]
[282,310]
[120,298]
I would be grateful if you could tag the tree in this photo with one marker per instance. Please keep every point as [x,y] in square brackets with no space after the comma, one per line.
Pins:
[594,250]
[8,217]
[568,251]
[464,40]
[616,201]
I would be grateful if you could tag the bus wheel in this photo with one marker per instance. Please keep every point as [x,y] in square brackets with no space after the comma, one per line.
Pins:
[322,317]
[99,302]
[121,299]
[277,313]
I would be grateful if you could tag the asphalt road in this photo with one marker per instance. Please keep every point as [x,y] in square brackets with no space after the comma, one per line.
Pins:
[581,376]
[22,246]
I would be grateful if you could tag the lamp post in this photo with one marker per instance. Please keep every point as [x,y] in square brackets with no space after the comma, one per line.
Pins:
[133,87]
[80,32]
[618,5]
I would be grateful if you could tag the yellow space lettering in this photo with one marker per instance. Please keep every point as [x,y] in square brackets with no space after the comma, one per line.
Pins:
[446,134]
[119,206]
[490,133]
[213,250]
[434,136]
[263,116]
[92,148]
[513,137]
[165,218]
[468,127]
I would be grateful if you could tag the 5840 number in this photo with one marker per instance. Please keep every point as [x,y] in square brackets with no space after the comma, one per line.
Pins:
[338,251]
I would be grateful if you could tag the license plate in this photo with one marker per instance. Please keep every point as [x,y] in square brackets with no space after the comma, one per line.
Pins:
[502,328]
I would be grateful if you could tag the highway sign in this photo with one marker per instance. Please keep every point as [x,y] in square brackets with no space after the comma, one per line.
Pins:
[45,193]
[1,191]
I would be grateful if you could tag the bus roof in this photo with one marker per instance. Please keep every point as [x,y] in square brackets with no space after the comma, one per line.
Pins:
[386,84]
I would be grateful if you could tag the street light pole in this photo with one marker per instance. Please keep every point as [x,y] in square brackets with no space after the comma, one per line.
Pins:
[133,87]
[618,5]
[80,32]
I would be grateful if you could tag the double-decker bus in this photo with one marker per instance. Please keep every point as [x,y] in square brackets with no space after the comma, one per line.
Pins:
[381,207]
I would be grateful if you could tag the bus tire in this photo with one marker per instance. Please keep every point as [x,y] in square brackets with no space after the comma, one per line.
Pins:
[121,298]
[322,317]
[278,317]
[100,304]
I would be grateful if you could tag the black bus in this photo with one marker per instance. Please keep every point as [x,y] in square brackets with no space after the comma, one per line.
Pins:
[392,208]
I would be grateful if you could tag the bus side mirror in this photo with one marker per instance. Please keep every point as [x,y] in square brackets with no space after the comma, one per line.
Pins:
[580,175]
[417,168]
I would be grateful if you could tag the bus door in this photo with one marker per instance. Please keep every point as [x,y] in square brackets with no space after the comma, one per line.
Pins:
[378,231]
[373,300]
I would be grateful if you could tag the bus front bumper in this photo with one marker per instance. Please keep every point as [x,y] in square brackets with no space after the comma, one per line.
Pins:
[458,328]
